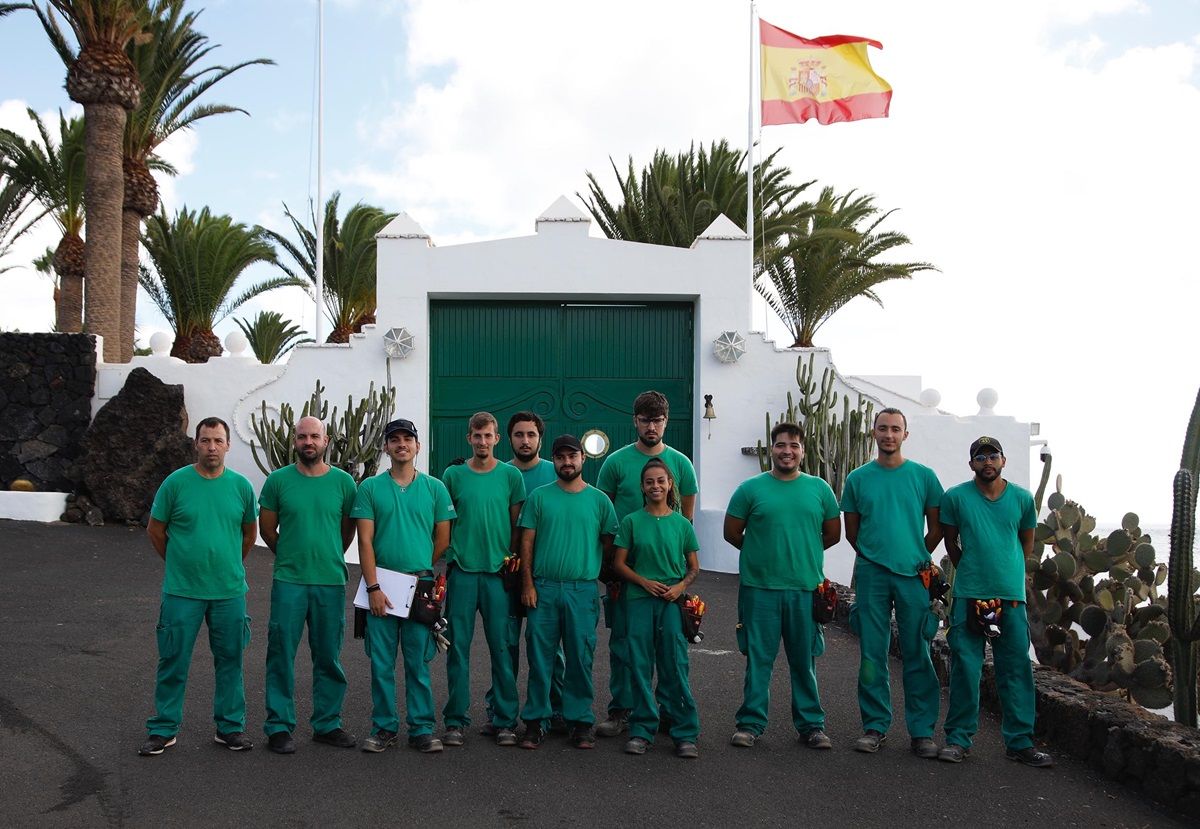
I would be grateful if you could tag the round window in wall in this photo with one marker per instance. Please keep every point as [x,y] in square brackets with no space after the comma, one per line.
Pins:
[595,443]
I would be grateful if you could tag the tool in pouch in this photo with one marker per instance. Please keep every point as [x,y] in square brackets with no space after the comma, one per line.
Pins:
[693,614]
[825,602]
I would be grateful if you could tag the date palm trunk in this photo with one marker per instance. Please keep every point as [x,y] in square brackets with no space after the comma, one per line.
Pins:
[140,201]
[103,194]
[68,263]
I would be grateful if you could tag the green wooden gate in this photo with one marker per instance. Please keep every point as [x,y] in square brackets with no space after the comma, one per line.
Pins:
[577,365]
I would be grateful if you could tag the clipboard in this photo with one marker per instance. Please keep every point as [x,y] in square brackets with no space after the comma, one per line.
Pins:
[399,587]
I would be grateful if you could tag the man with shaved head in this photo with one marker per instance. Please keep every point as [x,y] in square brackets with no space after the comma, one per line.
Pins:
[304,518]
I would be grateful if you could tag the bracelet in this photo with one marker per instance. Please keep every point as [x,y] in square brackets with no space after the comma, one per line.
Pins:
[371,588]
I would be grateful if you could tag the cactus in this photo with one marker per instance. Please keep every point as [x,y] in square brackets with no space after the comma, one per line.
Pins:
[833,445]
[1183,579]
[354,439]
[1109,587]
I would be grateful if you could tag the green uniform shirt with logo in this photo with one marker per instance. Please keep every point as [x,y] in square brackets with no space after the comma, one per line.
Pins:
[204,518]
[482,531]
[892,504]
[567,527]
[992,564]
[404,518]
[658,548]
[782,548]
[621,476]
[310,509]
[541,474]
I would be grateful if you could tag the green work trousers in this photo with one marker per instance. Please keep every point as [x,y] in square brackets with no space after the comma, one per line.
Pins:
[620,673]
[467,594]
[566,612]
[415,640]
[654,634]
[514,655]
[878,591]
[764,618]
[1014,676]
[179,620]
[322,608]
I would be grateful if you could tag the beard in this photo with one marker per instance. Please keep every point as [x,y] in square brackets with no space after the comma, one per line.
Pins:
[650,441]
[524,455]
[310,457]
[568,474]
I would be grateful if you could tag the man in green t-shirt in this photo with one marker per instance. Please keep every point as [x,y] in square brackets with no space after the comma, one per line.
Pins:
[304,518]
[621,479]
[988,524]
[403,525]
[782,521]
[891,509]
[487,498]
[202,524]
[568,533]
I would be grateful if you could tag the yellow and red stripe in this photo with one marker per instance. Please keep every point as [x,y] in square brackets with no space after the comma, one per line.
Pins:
[828,78]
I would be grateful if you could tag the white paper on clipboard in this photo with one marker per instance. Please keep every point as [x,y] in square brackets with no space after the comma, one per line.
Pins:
[399,588]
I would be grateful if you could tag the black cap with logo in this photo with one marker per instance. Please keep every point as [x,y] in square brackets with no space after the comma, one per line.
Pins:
[400,425]
[986,442]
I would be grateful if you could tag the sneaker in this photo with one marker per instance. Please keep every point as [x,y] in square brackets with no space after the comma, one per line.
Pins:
[952,753]
[234,740]
[1031,757]
[816,739]
[155,745]
[687,750]
[506,737]
[425,743]
[924,748]
[617,722]
[582,737]
[281,742]
[379,741]
[488,729]
[454,736]
[559,724]
[743,739]
[533,736]
[870,742]
[336,737]
[636,745]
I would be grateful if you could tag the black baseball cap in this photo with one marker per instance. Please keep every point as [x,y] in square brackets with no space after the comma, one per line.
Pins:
[985,442]
[566,442]
[400,425]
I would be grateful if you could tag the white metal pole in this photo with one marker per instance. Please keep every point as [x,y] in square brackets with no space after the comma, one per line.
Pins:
[320,208]
[750,155]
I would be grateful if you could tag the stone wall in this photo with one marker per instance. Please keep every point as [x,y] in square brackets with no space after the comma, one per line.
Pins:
[46,387]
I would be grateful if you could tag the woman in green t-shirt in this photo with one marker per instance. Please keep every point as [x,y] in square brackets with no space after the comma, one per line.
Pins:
[656,554]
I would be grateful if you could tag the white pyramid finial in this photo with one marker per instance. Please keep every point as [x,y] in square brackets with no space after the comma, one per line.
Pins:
[722,229]
[402,227]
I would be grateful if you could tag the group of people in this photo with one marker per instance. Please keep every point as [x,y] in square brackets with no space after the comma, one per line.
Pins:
[525,543]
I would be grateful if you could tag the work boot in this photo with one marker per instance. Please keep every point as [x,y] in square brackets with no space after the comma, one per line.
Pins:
[617,722]
[379,741]
[281,742]
[234,740]
[337,737]
[870,742]
[1031,757]
[925,748]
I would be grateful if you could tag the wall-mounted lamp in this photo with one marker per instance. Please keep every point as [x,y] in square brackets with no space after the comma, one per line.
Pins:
[710,413]
[729,346]
[398,343]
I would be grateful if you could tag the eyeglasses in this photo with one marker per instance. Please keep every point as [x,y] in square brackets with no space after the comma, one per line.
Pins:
[993,457]
[651,421]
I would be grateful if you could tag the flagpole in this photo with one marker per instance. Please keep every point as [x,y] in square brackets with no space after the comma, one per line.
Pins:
[319,212]
[750,157]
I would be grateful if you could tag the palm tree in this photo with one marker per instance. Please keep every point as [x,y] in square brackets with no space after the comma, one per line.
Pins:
[271,336]
[53,169]
[675,198]
[830,260]
[102,78]
[349,273]
[197,258]
[171,84]
[15,199]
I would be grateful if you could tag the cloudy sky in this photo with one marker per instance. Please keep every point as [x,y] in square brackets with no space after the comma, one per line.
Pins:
[1043,157]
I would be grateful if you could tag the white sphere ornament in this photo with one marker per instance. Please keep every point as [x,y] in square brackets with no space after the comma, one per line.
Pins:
[930,398]
[987,400]
[160,344]
[236,343]
[398,343]
[729,346]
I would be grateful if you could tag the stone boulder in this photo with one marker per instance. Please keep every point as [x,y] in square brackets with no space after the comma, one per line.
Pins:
[136,439]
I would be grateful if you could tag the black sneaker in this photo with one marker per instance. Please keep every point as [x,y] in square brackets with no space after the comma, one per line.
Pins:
[379,741]
[425,743]
[281,742]
[581,736]
[155,745]
[533,736]
[337,737]
[687,750]
[454,736]
[617,722]
[1031,757]
[234,740]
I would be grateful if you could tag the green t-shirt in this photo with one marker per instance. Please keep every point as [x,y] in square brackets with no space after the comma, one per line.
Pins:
[404,518]
[539,475]
[204,518]
[482,531]
[993,563]
[891,504]
[567,527]
[621,476]
[310,509]
[782,548]
[658,548]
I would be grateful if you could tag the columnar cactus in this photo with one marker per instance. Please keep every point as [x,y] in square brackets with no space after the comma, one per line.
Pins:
[1183,577]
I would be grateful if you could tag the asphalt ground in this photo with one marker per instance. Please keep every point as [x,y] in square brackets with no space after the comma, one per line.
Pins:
[78,607]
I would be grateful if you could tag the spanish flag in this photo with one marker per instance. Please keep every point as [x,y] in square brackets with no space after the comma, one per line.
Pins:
[827,78]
